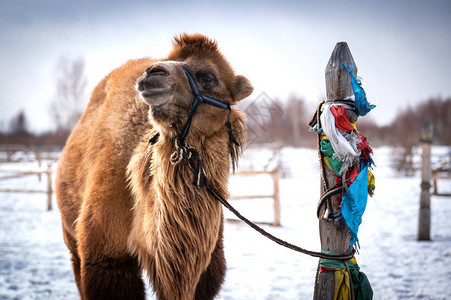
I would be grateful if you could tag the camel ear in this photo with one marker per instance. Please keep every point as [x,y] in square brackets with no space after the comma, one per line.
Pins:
[243,87]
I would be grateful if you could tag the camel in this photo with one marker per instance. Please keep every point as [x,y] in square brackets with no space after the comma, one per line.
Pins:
[125,205]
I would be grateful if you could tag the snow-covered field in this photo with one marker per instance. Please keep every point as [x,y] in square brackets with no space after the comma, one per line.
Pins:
[35,264]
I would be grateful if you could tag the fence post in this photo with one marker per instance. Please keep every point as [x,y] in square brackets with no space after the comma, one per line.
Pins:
[49,186]
[333,237]
[434,181]
[275,178]
[424,224]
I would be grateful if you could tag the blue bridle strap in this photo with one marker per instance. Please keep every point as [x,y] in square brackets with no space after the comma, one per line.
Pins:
[198,99]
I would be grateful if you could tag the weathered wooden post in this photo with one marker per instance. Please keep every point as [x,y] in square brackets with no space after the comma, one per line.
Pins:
[333,236]
[424,224]
[275,179]
[49,186]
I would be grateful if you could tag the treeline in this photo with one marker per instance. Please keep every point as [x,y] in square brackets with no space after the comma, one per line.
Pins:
[272,122]
[18,133]
[405,129]
[279,122]
[286,123]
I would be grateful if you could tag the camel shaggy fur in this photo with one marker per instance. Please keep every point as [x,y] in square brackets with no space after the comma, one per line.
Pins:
[124,207]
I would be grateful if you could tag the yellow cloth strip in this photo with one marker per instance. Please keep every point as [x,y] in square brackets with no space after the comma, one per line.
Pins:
[371,179]
[342,285]
[326,161]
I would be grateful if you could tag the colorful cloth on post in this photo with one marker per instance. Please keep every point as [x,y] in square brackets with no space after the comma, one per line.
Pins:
[360,282]
[354,203]
[371,183]
[362,106]
[341,118]
[365,149]
[342,286]
[333,163]
[344,144]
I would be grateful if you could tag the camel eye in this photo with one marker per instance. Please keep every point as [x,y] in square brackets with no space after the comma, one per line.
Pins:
[207,79]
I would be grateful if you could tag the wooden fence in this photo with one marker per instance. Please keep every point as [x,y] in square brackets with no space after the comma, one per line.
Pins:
[440,173]
[40,154]
[21,173]
[275,174]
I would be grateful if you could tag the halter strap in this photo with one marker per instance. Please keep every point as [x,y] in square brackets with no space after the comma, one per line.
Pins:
[198,99]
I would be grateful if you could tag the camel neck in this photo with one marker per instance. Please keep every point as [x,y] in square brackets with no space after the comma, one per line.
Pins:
[213,152]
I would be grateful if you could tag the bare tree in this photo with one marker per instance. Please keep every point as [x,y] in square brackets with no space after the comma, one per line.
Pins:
[18,126]
[67,106]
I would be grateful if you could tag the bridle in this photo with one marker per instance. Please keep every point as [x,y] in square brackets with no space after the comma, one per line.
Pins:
[184,152]
[199,99]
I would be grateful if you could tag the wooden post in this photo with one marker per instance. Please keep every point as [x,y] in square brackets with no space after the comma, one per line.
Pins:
[38,158]
[275,178]
[424,224]
[333,237]
[49,187]
[434,180]
[295,116]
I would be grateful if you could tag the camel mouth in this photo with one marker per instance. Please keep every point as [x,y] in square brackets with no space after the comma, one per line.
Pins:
[148,93]
[157,97]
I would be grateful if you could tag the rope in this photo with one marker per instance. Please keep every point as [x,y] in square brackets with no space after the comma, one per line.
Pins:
[324,196]
[273,238]
[192,158]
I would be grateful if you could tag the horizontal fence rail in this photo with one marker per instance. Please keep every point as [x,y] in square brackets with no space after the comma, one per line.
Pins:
[440,173]
[21,173]
[275,174]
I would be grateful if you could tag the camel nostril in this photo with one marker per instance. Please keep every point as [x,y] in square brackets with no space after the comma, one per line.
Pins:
[140,85]
[157,71]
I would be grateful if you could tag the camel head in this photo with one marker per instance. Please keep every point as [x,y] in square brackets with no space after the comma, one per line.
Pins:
[165,87]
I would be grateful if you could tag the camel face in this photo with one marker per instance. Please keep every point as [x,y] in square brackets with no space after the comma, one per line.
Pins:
[165,87]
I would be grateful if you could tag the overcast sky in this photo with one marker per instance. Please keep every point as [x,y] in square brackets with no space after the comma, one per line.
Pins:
[401,48]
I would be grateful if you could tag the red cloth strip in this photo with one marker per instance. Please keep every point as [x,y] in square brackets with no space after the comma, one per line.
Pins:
[321,270]
[341,120]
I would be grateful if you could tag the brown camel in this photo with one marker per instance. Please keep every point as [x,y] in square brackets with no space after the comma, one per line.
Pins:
[125,206]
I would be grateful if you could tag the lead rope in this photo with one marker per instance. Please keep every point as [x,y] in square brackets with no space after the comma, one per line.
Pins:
[190,156]
[273,238]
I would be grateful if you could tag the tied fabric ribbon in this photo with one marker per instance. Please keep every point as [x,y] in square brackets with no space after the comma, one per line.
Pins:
[365,149]
[344,144]
[360,282]
[341,120]
[354,203]
[333,163]
[362,106]
[342,286]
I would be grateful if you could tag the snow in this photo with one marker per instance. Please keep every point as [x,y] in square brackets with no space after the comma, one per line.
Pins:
[35,263]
